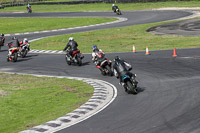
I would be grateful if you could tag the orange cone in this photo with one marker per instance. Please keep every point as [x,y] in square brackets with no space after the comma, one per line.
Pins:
[134,51]
[174,53]
[147,51]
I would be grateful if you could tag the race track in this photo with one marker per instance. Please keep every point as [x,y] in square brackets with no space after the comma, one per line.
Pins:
[168,101]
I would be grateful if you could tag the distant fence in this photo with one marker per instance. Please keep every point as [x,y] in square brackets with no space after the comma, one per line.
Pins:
[134,1]
[42,2]
[22,3]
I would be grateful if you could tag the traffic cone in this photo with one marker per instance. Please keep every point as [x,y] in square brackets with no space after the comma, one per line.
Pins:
[174,53]
[147,51]
[134,51]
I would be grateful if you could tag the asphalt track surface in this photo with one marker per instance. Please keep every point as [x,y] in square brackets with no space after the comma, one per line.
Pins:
[168,101]
[183,28]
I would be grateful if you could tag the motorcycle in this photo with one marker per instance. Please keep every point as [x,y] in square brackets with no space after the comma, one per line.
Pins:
[118,12]
[23,50]
[130,83]
[12,52]
[106,65]
[29,10]
[76,58]
[2,40]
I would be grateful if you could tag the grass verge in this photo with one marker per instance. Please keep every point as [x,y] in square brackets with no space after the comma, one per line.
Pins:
[119,40]
[27,101]
[21,25]
[102,6]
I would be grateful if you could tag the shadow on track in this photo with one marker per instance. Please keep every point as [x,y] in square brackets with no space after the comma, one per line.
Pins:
[3,50]
[23,59]
[28,56]
[86,63]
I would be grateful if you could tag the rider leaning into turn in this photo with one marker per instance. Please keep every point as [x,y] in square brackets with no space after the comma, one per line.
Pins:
[72,45]
[121,68]
[114,7]
[97,57]
[25,42]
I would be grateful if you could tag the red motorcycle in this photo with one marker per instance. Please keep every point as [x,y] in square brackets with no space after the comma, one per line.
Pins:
[12,52]
[75,58]
[106,65]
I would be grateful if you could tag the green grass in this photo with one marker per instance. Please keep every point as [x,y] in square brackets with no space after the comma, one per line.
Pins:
[27,101]
[21,25]
[102,6]
[119,40]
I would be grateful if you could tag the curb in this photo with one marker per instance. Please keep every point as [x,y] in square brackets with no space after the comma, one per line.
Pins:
[104,94]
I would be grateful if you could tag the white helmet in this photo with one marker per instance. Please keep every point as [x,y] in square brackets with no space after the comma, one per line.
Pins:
[25,40]
[71,39]
[113,4]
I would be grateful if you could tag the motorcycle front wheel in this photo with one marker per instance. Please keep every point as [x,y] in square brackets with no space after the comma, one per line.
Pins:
[131,88]
[68,61]
[109,70]
[15,56]
[24,54]
[79,61]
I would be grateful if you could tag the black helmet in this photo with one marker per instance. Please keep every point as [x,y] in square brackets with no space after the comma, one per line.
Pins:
[116,58]
[2,34]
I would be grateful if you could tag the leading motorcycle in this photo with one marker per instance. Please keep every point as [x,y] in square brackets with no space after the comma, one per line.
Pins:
[130,83]
[29,10]
[23,50]
[75,58]
[118,12]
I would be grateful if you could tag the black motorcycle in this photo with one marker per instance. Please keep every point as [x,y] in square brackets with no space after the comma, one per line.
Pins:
[130,83]
[118,12]
[76,57]
[29,10]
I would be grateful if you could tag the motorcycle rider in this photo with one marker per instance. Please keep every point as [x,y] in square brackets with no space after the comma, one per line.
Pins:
[121,68]
[16,43]
[72,45]
[97,57]
[2,40]
[25,42]
[28,6]
[114,7]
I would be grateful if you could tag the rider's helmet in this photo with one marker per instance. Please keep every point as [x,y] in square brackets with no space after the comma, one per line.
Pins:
[113,4]
[71,39]
[2,34]
[25,40]
[94,47]
[116,59]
